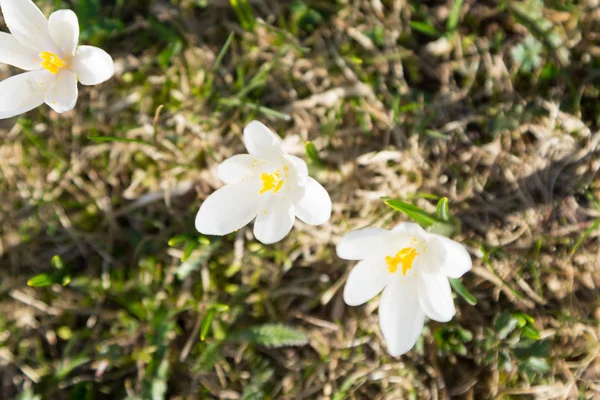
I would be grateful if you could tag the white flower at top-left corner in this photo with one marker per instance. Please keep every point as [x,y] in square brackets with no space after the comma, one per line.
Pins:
[268,184]
[48,50]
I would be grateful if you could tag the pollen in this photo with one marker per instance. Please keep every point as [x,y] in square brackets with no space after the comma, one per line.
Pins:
[271,182]
[52,63]
[404,257]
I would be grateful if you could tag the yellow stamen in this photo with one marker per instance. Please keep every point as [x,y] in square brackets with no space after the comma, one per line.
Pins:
[405,256]
[52,63]
[271,182]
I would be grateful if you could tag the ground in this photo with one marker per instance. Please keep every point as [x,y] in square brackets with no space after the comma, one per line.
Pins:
[492,104]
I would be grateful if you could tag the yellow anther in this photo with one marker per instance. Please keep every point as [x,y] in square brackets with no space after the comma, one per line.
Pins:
[406,257]
[271,182]
[52,63]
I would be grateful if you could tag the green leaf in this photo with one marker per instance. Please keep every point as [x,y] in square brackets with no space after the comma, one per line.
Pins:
[462,291]
[209,357]
[102,139]
[442,210]
[423,218]
[42,280]
[539,365]
[271,335]
[425,28]
[223,51]
[189,248]
[505,324]
[312,153]
[66,280]
[205,326]
[452,22]
[177,240]
[57,263]
[244,13]
[585,235]
[531,332]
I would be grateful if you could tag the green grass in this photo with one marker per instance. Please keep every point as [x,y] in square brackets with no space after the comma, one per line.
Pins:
[492,105]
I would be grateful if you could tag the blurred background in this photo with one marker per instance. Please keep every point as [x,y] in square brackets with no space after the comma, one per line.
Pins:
[107,291]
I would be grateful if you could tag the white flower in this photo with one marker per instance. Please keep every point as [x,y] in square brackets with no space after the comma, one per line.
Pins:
[412,268]
[268,184]
[48,50]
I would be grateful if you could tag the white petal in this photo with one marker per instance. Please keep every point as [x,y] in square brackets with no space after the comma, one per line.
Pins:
[62,93]
[12,52]
[400,317]
[236,168]
[274,220]
[456,259]
[29,26]
[300,167]
[314,207]
[92,65]
[365,281]
[24,92]
[362,243]
[64,29]
[410,227]
[262,142]
[435,296]
[228,209]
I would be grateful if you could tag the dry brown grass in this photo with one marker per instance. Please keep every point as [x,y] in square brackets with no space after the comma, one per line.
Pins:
[398,114]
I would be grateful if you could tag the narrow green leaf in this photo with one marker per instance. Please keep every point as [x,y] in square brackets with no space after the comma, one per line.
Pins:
[223,51]
[42,280]
[189,248]
[531,333]
[57,263]
[442,210]
[220,307]
[271,335]
[452,22]
[462,291]
[423,218]
[585,235]
[425,28]
[209,357]
[205,326]
[312,153]
[177,240]
[102,139]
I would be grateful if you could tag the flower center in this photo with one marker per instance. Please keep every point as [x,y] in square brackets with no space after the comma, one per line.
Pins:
[52,63]
[405,256]
[271,182]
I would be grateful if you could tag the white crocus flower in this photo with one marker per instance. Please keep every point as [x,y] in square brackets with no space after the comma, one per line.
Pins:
[412,267]
[48,50]
[268,184]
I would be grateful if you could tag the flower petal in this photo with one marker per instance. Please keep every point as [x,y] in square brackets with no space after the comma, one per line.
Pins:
[28,25]
[62,93]
[409,227]
[12,52]
[274,221]
[236,168]
[400,317]
[360,244]
[24,92]
[314,207]
[64,29]
[365,281]
[435,296]
[300,167]
[92,65]
[456,259]
[228,209]
[262,142]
